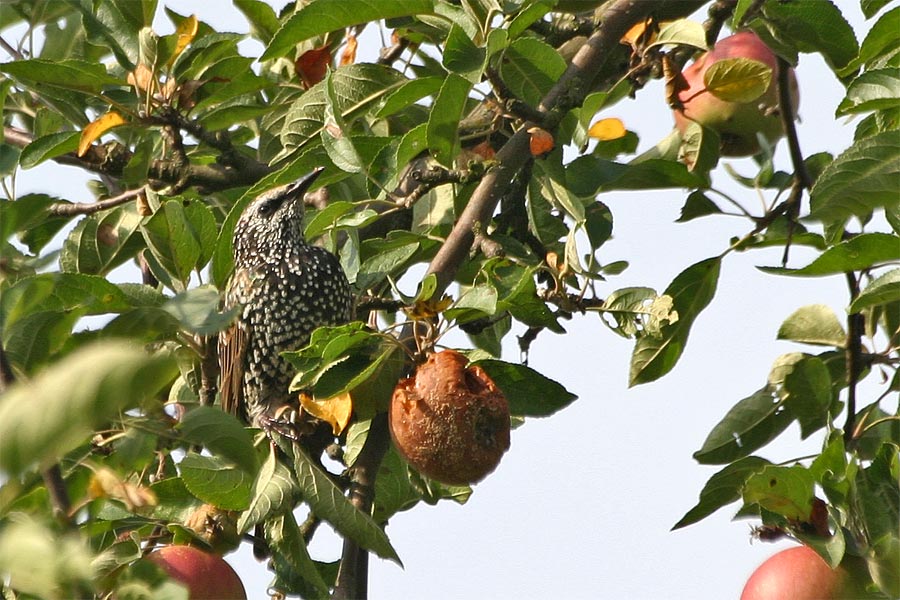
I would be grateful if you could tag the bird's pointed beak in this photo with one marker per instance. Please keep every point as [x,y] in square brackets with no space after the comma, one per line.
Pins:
[300,187]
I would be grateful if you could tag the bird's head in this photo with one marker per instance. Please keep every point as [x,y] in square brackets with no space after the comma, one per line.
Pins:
[272,220]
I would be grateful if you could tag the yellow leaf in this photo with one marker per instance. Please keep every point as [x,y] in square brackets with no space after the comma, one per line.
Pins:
[336,410]
[607,129]
[186,31]
[426,309]
[97,128]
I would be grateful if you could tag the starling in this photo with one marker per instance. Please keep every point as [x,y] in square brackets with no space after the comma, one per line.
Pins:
[287,289]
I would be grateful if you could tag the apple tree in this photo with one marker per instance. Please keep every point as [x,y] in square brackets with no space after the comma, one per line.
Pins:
[463,191]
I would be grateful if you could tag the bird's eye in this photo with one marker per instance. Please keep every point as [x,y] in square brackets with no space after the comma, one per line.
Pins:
[268,208]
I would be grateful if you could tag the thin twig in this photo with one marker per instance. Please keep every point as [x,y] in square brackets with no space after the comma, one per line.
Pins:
[788,117]
[65,209]
[855,327]
[802,179]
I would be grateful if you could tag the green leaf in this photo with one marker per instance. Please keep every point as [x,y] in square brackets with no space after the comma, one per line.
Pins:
[290,558]
[173,240]
[61,292]
[864,177]
[814,324]
[197,310]
[101,242]
[808,394]
[655,354]
[262,18]
[358,88]
[337,143]
[442,133]
[749,425]
[814,27]
[462,56]
[70,74]
[145,323]
[221,434]
[47,147]
[873,90]
[587,175]
[722,489]
[697,205]
[871,7]
[529,393]
[786,491]
[59,408]
[394,491]
[408,93]
[274,491]
[28,214]
[699,149]
[530,67]
[114,25]
[683,32]
[878,493]
[39,562]
[737,79]
[880,43]
[388,256]
[630,308]
[318,18]
[881,290]
[883,565]
[860,252]
[328,502]
[517,293]
[33,339]
[216,481]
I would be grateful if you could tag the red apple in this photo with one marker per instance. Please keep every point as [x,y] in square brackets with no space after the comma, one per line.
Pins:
[800,574]
[737,123]
[207,576]
[449,420]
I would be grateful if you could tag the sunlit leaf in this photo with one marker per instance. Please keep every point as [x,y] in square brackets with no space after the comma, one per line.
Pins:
[607,129]
[97,128]
[185,31]
[737,79]
[335,411]
[317,18]
[814,324]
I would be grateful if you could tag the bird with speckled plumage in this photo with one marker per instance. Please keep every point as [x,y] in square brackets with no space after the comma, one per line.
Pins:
[286,288]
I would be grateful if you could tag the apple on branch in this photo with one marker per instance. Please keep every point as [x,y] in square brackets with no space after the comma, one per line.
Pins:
[733,90]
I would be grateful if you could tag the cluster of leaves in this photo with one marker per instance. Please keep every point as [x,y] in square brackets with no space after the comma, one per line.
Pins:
[409,142]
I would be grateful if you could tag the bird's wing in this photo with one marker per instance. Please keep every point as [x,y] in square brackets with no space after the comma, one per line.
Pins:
[233,344]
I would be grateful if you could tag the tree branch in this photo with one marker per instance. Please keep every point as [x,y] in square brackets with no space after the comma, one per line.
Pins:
[352,578]
[110,159]
[65,209]
[569,91]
